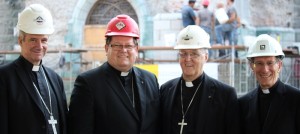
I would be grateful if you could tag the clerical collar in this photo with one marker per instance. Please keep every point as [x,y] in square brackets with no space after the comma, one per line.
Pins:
[194,82]
[270,90]
[35,68]
[28,65]
[265,91]
[119,73]
[124,73]
[189,84]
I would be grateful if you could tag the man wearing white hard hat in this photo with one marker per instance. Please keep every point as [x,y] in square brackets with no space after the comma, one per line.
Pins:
[32,97]
[273,107]
[195,103]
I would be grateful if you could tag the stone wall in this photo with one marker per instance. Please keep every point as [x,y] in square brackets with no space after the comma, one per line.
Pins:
[274,13]
[61,11]
[9,15]
[296,20]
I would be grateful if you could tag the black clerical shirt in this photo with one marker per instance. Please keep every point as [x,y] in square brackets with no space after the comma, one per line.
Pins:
[28,67]
[264,101]
[129,85]
[191,116]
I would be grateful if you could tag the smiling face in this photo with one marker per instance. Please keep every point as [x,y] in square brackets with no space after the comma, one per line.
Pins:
[191,62]
[33,47]
[121,52]
[266,70]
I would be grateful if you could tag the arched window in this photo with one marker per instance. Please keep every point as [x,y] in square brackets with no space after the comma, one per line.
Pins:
[104,10]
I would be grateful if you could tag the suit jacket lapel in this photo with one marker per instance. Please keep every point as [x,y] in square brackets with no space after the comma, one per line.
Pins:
[141,90]
[28,84]
[173,89]
[253,115]
[206,102]
[61,100]
[170,102]
[54,83]
[112,79]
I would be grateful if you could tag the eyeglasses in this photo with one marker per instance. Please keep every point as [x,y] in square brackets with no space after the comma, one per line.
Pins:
[117,47]
[186,55]
[261,64]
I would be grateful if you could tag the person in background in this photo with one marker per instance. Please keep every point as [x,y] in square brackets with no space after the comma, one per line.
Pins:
[32,97]
[227,28]
[188,14]
[206,22]
[273,107]
[196,103]
[116,98]
[219,5]
[235,32]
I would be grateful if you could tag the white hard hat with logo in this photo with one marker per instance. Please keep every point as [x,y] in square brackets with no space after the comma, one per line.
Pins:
[35,19]
[192,37]
[265,45]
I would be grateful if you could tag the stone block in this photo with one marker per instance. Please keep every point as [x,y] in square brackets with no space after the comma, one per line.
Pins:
[162,25]
[284,35]
[156,36]
[167,16]
[176,24]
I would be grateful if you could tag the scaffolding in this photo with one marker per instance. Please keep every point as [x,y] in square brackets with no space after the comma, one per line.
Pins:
[232,71]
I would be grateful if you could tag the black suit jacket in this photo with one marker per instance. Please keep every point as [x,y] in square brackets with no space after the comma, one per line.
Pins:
[283,116]
[20,106]
[218,107]
[99,104]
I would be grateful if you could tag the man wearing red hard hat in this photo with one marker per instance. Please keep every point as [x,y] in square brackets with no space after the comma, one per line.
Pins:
[116,98]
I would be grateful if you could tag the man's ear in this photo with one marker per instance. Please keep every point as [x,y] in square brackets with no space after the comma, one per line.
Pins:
[252,66]
[20,40]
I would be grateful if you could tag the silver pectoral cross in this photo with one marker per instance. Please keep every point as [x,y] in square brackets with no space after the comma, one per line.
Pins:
[182,123]
[52,122]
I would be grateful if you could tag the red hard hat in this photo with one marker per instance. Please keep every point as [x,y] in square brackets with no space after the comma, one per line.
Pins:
[122,25]
[205,2]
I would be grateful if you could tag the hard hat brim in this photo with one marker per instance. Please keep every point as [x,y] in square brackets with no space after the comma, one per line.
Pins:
[122,34]
[183,46]
[264,54]
[38,31]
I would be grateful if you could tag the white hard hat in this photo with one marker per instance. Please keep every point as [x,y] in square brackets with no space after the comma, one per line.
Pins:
[35,19]
[265,45]
[192,37]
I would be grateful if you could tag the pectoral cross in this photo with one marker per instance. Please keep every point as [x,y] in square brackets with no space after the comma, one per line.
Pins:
[52,122]
[182,123]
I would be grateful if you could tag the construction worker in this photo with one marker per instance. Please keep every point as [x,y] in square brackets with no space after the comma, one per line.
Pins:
[32,97]
[227,28]
[206,21]
[188,14]
[116,98]
[196,103]
[273,107]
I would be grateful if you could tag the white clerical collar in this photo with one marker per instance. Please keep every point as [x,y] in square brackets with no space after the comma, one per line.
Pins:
[35,68]
[265,91]
[124,73]
[189,84]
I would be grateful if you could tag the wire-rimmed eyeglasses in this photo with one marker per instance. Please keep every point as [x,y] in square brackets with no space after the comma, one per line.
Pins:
[118,47]
[186,55]
[259,64]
